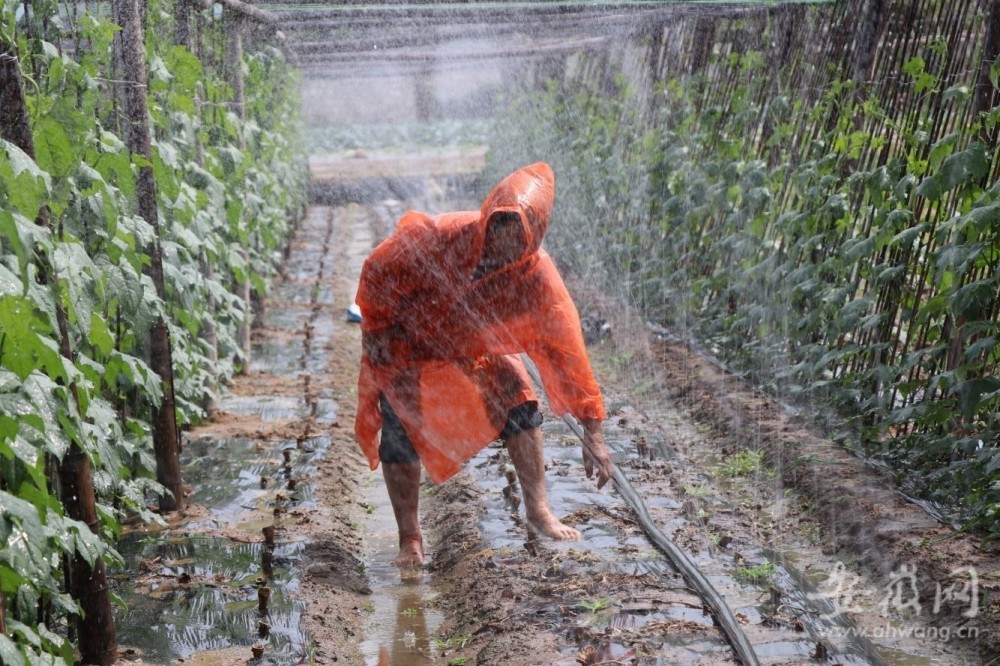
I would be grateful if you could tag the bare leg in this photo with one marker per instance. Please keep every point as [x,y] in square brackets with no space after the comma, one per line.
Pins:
[525,450]
[403,482]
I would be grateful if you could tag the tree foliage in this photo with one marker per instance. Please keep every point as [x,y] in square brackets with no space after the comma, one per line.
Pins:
[228,191]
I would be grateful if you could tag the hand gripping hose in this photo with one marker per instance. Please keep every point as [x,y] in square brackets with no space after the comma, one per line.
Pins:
[694,577]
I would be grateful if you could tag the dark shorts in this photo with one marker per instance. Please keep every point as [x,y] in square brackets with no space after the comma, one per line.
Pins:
[395,446]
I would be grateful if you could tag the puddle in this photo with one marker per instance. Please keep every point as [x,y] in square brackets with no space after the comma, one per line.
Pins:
[265,407]
[402,623]
[238,479]
[290,318]
[198,593]
[298,293]
[281,357]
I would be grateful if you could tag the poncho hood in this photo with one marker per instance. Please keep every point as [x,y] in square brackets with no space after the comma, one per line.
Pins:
[529,192]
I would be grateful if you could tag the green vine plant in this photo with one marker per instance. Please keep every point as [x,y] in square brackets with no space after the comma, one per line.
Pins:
[229,190]
[770,230]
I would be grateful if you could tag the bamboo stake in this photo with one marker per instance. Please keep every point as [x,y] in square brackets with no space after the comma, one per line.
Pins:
[88,583]
[183,35]
[233,64]
[165,434]
[207,332]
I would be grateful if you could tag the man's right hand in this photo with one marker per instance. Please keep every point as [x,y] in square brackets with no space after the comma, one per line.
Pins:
[595,452]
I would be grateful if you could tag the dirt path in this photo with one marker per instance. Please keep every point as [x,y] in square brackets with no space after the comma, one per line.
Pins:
[780,534]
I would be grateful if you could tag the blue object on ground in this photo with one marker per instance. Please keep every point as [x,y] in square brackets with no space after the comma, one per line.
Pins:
[354,313]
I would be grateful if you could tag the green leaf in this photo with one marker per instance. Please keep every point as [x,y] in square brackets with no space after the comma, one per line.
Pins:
[25,237]
[39,498]
[167,169]
[10,579]
[981,219]
[52,430]
[961,168]
[140,161]
[131,371]
[10,653]
[931,188]
[941,149]
[984,347]
[32,535]
[109,142]
[959,92]
[8,431]
[906,238]
[898,218]
[972,300]
[958,258]
[17,446]
[53,146]
[914,66]
[27,185]
[10,284]
[23,350]
[971,392]
[76,537]
[904,185]
[100,335]
[74,267]
[15,628]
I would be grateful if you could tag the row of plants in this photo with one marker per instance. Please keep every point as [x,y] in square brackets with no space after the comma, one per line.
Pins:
[864,287]
[430,136]
[228,181]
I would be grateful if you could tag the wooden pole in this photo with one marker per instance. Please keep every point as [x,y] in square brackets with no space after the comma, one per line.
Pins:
[868,41]
[13,111]
[183,34]
[96,628]
[88,584]
[131,56]
[234,24]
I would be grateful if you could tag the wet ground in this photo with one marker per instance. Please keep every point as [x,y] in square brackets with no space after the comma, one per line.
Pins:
[281,501]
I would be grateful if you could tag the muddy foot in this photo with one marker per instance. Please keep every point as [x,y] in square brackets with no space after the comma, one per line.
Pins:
[411,554]
[551,527]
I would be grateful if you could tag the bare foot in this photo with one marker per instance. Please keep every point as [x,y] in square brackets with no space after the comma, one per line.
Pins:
[548,525]
[411,553]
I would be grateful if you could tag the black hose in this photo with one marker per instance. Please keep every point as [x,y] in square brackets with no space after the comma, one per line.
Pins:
[695,578]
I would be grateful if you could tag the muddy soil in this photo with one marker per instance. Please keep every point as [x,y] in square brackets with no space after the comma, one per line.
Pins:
[779,537]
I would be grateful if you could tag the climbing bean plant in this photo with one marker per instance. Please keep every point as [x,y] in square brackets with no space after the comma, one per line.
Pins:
[866,288]
[228,190]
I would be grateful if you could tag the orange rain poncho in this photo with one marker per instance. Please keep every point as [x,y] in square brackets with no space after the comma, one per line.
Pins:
[451,374]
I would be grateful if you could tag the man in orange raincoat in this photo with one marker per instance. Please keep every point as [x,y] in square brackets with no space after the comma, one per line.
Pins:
[447,303]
